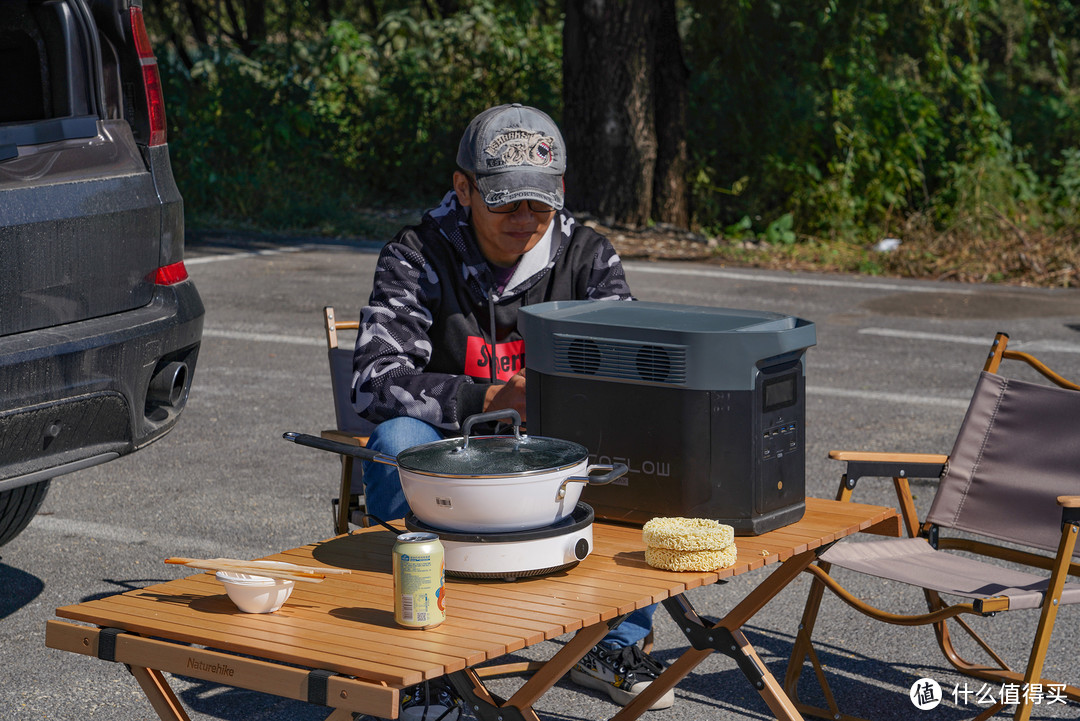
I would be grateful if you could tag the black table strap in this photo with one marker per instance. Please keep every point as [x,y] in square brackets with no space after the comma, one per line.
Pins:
[316,685]
[106,649]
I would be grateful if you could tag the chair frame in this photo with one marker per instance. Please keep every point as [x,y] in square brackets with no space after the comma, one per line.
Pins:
[901,467]
[347,502]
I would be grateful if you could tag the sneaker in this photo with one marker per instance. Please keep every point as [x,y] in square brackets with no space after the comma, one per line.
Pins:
[430,701]
[622,672]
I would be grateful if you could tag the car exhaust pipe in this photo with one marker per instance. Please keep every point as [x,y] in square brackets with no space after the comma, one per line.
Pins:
[167,386]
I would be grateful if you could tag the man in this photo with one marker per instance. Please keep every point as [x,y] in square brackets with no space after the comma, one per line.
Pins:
[439,342]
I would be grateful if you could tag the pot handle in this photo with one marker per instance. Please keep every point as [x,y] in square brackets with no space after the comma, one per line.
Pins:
[324,444]
[510,413]
[384,524]
[614,472]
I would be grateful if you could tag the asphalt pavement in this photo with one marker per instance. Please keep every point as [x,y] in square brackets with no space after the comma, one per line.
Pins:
[893,367]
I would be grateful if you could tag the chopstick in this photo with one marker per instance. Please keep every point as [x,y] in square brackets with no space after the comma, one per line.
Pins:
[270,569]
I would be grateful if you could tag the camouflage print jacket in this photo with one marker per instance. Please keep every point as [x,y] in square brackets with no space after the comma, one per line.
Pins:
[425,343]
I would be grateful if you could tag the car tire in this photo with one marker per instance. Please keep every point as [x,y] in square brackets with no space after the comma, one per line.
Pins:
[18,506]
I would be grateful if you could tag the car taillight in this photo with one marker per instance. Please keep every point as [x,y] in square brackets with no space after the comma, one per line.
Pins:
[155,100]
[171,274]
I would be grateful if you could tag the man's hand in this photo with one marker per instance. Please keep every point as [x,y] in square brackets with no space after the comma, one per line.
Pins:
[507,395]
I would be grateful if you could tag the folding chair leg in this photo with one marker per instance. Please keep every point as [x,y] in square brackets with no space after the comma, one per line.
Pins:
[803,649]
[1049,614]
[952,655]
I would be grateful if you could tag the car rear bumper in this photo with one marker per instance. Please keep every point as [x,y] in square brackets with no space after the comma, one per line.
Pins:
[100,372]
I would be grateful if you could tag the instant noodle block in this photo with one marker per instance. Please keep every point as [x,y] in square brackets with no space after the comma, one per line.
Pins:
[670,560]
[688,544]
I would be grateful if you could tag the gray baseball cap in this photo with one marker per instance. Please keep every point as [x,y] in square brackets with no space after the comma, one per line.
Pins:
[516,153]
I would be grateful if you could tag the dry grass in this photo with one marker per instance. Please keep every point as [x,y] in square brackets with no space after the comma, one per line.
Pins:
[994,250]
[988,250]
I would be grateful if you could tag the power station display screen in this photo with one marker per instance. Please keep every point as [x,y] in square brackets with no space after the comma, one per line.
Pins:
[779,392]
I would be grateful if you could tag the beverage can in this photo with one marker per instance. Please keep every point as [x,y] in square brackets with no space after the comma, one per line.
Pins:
[419,581]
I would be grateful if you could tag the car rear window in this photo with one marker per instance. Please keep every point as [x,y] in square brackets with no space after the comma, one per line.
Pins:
[50,97]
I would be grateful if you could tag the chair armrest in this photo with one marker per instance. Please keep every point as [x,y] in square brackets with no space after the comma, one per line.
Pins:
[877,457]
[1070,510]
[890,465]
[344,437]
[897,466]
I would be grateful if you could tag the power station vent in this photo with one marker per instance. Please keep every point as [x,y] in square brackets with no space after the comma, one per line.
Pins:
[623,360]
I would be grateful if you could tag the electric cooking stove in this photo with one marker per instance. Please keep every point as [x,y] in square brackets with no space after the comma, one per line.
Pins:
[510,555]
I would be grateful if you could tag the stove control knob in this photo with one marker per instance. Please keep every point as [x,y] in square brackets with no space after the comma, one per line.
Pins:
[581,549]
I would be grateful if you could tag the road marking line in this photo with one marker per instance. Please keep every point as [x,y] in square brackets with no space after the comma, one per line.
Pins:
[241,255]
[262,337]
[921,335]
[119,534]
[878,396]
[1033,346]
[759,277]
[817,390]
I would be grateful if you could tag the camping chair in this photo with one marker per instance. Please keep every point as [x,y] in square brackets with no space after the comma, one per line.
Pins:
[1014,477]
[351,428]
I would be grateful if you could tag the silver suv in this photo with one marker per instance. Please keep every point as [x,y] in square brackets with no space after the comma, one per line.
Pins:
[99,324]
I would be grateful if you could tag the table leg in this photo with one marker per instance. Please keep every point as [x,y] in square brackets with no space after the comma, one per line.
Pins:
[770,689]
[725,636]
[674,673]
[485,705]
[159,693]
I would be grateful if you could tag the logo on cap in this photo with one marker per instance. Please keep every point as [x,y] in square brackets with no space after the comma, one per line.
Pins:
[520,147]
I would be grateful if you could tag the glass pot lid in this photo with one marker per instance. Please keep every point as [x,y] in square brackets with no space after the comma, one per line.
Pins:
[492,456]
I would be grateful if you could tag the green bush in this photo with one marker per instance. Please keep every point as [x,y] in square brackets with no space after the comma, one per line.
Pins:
[834,121]
[303,132]
[856,116]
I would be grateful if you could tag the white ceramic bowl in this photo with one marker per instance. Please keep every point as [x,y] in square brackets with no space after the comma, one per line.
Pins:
[255,594]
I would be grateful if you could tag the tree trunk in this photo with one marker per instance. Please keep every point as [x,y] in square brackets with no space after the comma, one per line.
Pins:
[670,197]
[255,22]
[608,118]
[622,65]
[197,16]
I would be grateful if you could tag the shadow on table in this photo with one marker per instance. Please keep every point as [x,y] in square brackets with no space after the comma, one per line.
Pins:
[122,586]
[368,553]
[20,588]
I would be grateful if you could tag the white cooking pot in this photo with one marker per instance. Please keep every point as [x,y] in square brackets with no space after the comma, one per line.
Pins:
[487,483]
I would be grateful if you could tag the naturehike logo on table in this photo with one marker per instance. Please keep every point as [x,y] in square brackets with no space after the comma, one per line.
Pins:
[219,669]
[509,359]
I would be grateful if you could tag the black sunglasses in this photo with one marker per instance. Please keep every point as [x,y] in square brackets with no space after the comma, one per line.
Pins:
[534,205]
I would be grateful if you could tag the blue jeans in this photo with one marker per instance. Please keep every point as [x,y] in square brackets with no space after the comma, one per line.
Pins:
[636,627]
[386,501]
[382,486]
